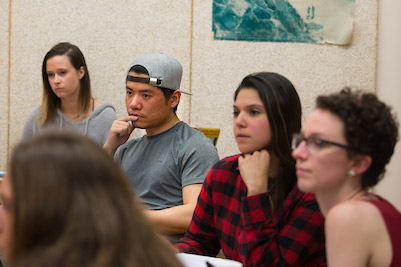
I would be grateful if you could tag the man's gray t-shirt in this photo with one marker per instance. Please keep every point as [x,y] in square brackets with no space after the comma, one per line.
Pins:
[159,166]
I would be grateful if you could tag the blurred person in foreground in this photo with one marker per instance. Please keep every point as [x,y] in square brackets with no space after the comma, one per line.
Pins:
[66,203]
[341,154]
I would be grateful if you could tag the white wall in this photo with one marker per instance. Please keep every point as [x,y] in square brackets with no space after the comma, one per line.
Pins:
[389,87]
[4,90]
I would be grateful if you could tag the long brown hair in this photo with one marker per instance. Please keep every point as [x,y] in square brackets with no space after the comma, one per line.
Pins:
[72,206]
[283,108]
[50,102]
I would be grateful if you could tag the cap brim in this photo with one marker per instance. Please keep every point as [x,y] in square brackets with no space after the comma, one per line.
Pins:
[185,92]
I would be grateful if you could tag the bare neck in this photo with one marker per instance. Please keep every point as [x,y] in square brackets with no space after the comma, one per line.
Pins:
[169,123]
[70,108]
[329,198]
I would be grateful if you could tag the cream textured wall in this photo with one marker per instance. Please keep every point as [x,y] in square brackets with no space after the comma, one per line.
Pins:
[389,87]
[112,33]
[219,66]
[4,33]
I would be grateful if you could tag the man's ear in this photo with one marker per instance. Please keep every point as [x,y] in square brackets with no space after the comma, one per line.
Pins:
[175,98]
[361,163]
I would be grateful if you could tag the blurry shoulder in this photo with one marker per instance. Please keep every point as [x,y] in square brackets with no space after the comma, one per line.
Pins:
[191,137]
[185,132]
[228,163]
[307,200]
[32,118]
[34,113]
[105,107]
[353,214]
[304,196]
[225,171]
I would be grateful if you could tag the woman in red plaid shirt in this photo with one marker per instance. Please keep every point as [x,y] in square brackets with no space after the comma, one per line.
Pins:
[250,206]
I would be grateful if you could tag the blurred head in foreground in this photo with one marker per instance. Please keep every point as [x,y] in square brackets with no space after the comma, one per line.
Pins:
[66,203]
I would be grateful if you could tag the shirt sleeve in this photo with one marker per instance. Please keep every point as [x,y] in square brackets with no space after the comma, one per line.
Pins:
[31,126]
[105,121]
[201,237]
[199,155]
[266,243]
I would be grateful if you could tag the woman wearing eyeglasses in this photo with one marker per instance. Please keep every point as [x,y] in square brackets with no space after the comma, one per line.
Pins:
[249,205]
[341,153]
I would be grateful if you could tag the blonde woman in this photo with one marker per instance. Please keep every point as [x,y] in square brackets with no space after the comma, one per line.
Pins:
[67,101]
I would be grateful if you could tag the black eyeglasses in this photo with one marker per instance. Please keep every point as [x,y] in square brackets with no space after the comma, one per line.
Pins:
[314,144]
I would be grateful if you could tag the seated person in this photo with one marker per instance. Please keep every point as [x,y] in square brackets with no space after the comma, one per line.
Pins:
[341,154]
[168,165]
[65,203]
[67,102]
[249,205]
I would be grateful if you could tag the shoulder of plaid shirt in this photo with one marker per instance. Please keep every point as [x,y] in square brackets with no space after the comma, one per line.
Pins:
[245,227]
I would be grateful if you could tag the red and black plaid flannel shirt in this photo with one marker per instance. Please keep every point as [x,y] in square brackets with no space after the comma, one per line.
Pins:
[245,227]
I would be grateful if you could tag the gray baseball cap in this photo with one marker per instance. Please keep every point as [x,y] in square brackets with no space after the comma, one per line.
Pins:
[164,71]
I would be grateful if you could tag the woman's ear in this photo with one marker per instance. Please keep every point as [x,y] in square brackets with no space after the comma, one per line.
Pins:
[361,163]
[81,72]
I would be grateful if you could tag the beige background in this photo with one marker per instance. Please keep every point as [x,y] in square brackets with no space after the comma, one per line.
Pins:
[4,81]
[112,33]
[389,87]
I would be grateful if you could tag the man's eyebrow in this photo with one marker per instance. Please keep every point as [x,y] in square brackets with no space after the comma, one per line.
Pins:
[140,90]
[146,90]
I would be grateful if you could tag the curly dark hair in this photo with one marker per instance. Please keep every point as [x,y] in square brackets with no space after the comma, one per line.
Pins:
[370,128]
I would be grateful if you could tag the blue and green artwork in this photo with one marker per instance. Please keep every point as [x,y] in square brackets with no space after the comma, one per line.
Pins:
[304,21]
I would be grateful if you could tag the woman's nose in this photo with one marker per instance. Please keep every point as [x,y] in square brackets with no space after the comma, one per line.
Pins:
[300,151]
[56,78]
[240,120]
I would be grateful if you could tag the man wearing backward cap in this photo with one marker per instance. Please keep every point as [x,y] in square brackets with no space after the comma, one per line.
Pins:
[168,165]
